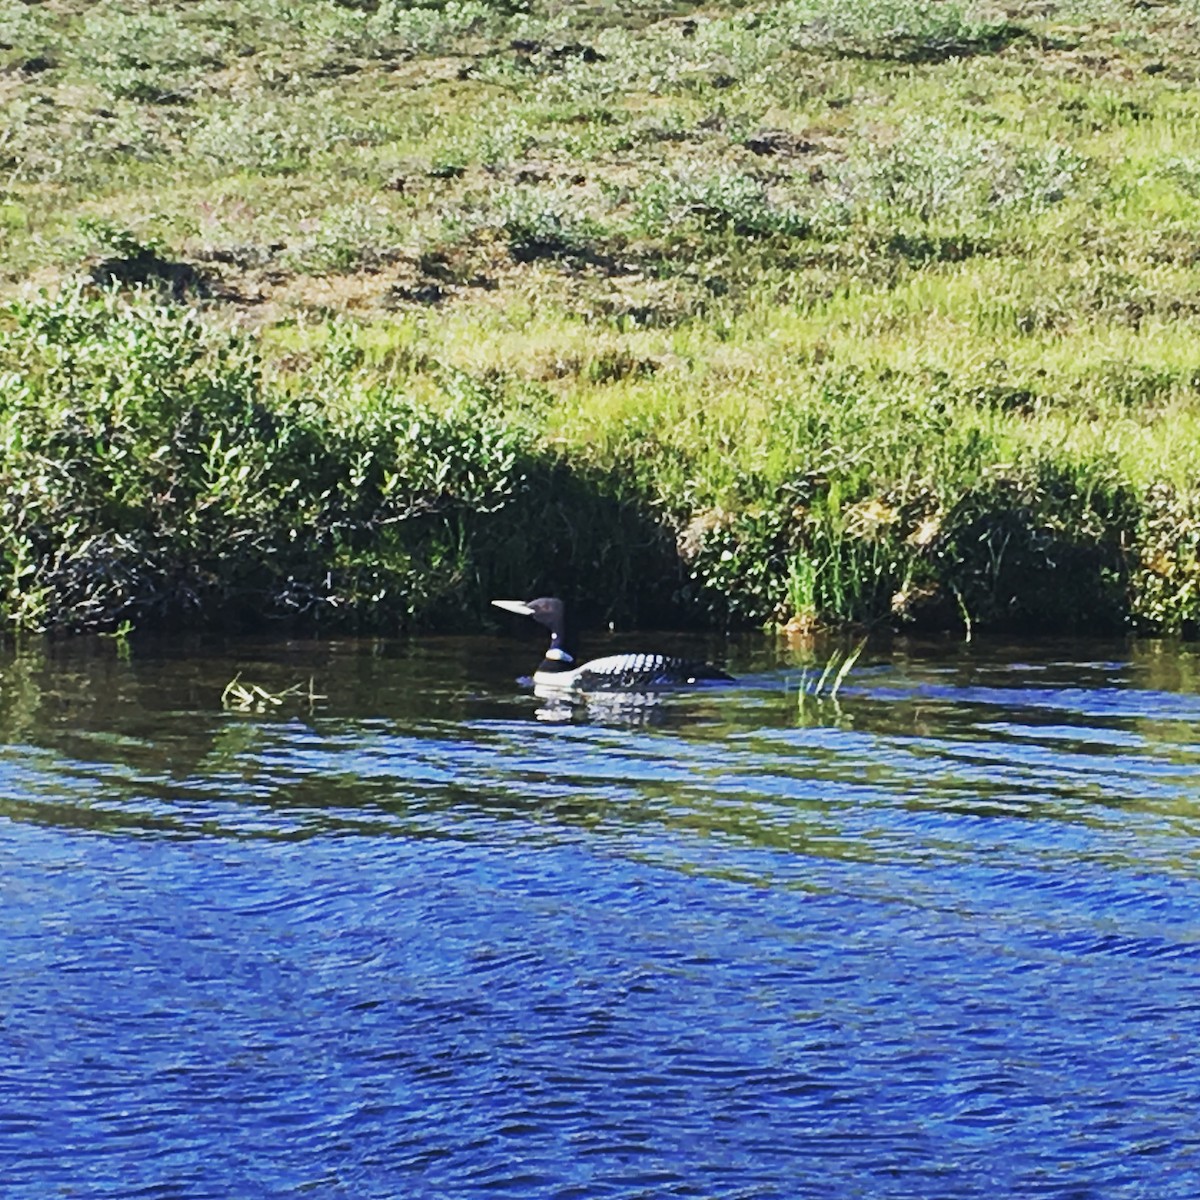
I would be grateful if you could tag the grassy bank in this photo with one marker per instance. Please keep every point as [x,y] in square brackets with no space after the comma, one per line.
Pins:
[829,310]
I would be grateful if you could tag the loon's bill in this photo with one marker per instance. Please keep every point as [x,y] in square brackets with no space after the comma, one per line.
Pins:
[615,672]
[522,607]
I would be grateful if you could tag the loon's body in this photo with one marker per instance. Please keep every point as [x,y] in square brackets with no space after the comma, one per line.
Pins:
[558,670]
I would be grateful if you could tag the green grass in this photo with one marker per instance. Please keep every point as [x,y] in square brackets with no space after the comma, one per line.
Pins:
[836,310]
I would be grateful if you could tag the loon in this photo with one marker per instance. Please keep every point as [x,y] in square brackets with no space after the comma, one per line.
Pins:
[557,671]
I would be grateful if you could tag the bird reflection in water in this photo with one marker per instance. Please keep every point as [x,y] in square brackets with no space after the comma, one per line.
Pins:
[636,709]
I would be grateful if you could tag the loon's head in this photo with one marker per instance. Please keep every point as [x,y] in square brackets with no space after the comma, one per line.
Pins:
[546,610]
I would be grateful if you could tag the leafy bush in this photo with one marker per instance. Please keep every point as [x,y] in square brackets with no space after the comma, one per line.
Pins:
[533,223]
[150,56]
[25,28]
[429,26]
[1166,575]
[152,471]
[933,170]
[347,237]
[322,30]
[1041,547]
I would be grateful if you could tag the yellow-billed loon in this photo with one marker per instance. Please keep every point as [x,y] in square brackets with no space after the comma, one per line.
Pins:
[615,672]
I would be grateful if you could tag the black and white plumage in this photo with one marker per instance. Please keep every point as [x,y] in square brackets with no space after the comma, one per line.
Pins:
[559,672]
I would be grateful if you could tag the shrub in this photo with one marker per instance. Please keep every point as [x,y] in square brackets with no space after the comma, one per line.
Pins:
[1040,546]
[347,237]
[429,27]
[909,30]
[534,224]
[150,56]
[1166,574]
[276,137]
[933,170]
[152,471]
[725,201]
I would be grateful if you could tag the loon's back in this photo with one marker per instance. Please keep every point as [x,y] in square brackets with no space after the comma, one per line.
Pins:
[621,672]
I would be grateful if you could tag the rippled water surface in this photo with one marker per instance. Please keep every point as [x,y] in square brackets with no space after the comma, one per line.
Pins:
[422,935]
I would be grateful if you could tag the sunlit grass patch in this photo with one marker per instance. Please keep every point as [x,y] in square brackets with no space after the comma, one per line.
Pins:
[910,30]
[153,55]
[278,135]
[718,202]
[346,237]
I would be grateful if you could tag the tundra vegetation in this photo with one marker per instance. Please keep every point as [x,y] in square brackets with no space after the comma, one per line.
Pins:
[813,311]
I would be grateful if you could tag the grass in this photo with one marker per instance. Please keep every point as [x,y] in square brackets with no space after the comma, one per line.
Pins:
[814,685]
[830,311]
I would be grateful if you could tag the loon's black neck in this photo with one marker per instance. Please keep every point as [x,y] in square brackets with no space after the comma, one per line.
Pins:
[556,660]
[559,656]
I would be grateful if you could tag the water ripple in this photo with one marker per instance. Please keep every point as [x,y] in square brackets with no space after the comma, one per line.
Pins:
[941,938]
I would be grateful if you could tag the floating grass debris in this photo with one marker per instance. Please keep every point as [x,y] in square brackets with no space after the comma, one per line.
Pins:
[254,698]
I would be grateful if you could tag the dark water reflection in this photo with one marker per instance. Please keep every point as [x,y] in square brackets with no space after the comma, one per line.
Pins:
[415,939]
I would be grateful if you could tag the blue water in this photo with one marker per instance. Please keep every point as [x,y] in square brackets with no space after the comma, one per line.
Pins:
[939,939]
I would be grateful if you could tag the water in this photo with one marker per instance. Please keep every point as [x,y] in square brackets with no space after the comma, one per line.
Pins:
[427,936]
